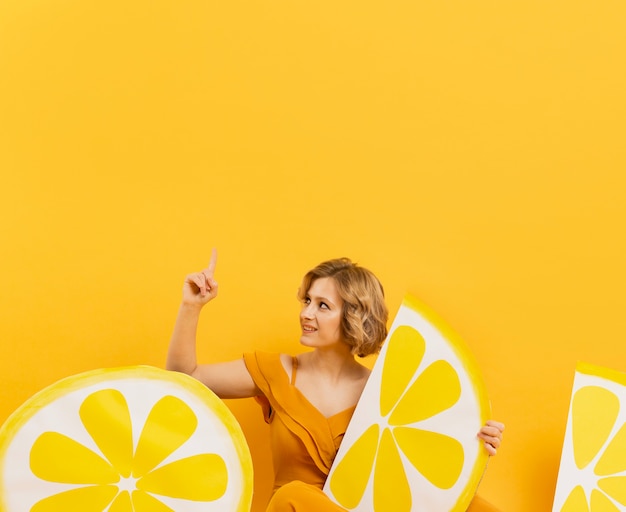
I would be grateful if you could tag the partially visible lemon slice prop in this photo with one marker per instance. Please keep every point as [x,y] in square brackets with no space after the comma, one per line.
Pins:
[411,444]
[134,439]
[592,473]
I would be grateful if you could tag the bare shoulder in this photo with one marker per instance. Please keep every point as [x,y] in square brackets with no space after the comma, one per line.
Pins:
[363,372]
[361,378]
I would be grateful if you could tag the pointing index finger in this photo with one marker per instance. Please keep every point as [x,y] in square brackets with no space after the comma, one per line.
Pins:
[211,268]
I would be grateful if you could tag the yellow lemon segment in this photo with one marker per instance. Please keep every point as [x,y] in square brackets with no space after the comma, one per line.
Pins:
[155,442]
[615,487]
[576,501]
[436,456]
[613,460]
[411,444]
[145,503]
[404,354]
[134,439]
[356,466]
[391,489]
[201,477]
[57,458]
[594,413]
[600,503]
[435,390]
[121,503]
[87,499]
[106,417]
[592,474]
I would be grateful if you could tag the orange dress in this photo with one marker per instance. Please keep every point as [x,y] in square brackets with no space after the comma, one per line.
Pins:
[304,442]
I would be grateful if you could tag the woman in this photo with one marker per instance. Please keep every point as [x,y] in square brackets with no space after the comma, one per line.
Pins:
[307,399]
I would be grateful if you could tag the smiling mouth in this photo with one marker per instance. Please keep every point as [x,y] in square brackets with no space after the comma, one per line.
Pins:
[307,329]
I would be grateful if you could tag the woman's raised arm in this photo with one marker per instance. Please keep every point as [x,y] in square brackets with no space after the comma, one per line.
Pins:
[226,380]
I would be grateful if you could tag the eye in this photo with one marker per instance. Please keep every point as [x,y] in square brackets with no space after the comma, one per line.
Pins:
[307,301]
[323,305]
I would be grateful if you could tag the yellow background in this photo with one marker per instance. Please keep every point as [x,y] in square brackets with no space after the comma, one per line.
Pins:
[471,153]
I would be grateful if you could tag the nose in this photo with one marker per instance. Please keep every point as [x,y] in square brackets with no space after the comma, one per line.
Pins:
[307,311]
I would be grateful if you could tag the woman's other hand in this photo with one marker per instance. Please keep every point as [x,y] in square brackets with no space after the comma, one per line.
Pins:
[491,435]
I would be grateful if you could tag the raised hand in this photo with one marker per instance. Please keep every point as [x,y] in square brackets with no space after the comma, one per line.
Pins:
[201,287]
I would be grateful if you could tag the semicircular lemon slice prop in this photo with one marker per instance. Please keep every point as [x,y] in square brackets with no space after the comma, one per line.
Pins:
[135,439]
[592,472]
[411,444]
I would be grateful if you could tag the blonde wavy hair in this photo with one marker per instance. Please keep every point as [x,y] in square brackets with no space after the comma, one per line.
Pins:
[364,319]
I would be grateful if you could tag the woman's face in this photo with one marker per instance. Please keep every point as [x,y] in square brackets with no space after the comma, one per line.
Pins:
[321,314]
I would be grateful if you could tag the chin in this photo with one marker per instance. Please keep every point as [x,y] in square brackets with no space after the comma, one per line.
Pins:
[306,343]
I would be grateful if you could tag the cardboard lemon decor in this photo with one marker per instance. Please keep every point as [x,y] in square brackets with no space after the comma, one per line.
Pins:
[411,444]
[592,473]
[129,439]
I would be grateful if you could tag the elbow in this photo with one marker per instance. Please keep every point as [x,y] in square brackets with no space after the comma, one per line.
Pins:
[173,367]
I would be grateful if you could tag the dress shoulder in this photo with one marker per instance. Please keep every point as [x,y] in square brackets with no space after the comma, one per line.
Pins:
[266,369]
[269,375]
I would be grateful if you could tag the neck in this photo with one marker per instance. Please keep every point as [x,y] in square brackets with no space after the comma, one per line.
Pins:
[333,361]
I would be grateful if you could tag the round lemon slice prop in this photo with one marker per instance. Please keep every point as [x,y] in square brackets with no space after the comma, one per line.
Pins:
[133,439]
[592,473]
[411,444]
